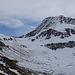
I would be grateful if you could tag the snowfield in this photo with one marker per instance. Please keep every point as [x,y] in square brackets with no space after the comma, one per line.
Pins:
[39,58]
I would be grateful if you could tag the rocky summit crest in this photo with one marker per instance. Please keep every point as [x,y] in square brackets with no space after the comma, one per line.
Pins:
[54,25]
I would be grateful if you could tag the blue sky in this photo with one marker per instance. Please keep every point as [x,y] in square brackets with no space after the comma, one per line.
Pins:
[28,25]
[18,17]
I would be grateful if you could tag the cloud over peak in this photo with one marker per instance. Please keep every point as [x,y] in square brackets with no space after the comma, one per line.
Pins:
[38,9]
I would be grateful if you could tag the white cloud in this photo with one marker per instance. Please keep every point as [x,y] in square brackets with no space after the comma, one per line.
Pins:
[11,22]
[38,9]
[33,9]
[67,8]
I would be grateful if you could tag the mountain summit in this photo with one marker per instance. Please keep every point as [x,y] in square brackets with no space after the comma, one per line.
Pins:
[57,26]
[47,50]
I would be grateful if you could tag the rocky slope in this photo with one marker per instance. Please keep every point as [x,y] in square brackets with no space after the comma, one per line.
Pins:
[47,50]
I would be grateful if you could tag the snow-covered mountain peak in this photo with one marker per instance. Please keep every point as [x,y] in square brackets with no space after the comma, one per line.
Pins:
[54,24]
[50,22]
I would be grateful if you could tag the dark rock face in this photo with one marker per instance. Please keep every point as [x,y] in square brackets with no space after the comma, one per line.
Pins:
[1,43]
[31,33]
[7,39]
[55,33]
[66,20]
[50,32]
[12,64]
[33,40]
[59,45]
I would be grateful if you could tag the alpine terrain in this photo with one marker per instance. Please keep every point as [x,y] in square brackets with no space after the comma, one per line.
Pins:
[47,50]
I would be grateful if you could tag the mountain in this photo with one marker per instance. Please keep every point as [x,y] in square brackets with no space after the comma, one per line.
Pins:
[47,50]
[53,24]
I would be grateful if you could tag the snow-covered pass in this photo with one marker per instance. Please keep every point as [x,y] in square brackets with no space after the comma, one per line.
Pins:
[47,50]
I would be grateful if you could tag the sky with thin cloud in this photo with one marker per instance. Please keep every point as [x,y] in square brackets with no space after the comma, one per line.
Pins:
[21,16]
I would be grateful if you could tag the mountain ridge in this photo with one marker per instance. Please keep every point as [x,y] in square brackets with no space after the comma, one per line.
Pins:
[49,21]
